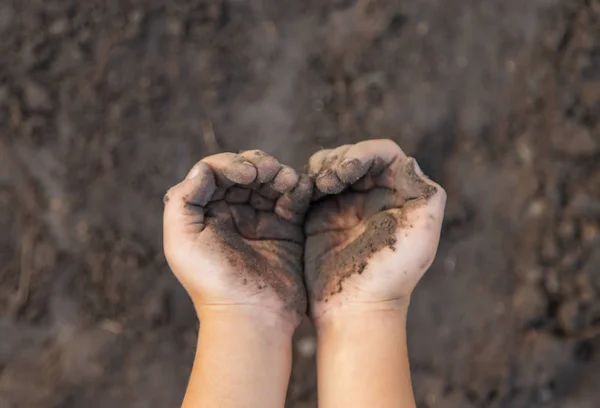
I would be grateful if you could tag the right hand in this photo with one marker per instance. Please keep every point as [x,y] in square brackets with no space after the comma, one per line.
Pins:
[373,228]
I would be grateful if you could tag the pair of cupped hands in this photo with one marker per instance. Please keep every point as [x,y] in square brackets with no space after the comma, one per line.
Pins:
[246,234]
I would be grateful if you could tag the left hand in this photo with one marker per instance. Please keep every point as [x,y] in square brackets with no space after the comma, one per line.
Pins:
[233,234]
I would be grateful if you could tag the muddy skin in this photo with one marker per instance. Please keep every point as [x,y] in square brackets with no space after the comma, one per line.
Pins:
[267,166]
[284,276]
[381,228]
[354,258]
[236,172]
[327,162]
[352,170]
[425,190]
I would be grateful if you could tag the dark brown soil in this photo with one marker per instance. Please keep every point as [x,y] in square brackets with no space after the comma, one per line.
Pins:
[255,266]
[104,105]
[380,232]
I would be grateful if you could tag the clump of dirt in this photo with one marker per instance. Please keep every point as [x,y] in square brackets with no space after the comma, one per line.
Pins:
[379,233]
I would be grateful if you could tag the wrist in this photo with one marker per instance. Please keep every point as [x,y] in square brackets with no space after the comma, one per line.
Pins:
[264,321]
[363,348]
[243,358]
[327,317]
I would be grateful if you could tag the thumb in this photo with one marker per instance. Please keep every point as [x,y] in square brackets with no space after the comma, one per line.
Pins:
[420,218]
[186,201]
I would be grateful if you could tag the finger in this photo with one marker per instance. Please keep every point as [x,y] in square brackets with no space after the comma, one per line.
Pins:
[293,206]
[327,180]
[197,189]
[230,169]
[266,165]
[425,199]
[316,162]
[185,203]
[285,180]
[329,183]
[420,222]
[371,156]
[410,182]
[267,191]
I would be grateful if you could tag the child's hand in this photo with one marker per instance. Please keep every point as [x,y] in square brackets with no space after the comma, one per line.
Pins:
[233,234]
[373,230]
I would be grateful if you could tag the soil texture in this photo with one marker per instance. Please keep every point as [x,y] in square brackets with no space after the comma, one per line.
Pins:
[106,104]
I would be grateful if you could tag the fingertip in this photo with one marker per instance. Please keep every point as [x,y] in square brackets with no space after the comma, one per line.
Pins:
[230,168]
[328,182]
[417,168]
[197,189]
[286,179]
[350,170]
[438,198]
[315,162]
[242,172]
[199,169]
[375,154]
[266,165]
[304,188]
[415,185]
[193,172]
[429,188]
[296,201]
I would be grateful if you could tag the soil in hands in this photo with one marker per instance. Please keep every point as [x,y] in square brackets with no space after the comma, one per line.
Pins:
[379,233]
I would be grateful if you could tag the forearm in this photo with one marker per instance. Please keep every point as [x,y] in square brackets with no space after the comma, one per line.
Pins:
[362,358]
[241,361]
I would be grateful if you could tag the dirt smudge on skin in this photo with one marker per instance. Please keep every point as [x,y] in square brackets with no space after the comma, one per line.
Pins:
[426,191]
[252,266]
[379,233]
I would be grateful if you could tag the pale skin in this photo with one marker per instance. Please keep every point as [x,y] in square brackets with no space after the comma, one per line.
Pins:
[233,237]
[362,358]
[236,232]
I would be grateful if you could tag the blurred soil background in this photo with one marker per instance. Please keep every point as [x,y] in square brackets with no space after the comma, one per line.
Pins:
[105,104]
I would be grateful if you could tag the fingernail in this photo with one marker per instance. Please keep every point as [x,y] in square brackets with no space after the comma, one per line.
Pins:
[193,172]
